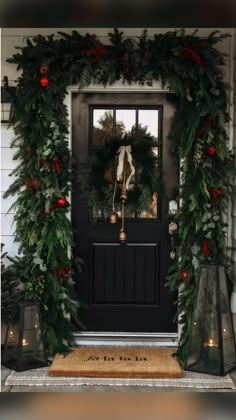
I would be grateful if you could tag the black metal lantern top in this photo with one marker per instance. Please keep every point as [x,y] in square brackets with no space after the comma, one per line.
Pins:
[24,347]
[211,346]
[8,94]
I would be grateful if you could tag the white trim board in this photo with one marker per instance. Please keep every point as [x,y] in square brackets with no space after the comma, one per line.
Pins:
[88,338]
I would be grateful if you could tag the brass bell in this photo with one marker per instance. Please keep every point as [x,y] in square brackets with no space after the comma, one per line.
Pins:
[113,216]
[122,235]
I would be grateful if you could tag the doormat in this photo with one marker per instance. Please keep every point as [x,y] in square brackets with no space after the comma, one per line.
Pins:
[190,380]
[117,362]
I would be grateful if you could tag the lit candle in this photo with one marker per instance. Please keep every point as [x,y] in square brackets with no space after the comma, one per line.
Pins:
[211,354]
[24,342]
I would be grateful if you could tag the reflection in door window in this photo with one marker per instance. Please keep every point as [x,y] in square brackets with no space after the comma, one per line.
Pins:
[103,123]
[149,118]
[151,213]
[125,120]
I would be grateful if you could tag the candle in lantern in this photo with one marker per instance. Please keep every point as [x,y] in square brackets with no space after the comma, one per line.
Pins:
[24,342]
[11,336]
[211,354]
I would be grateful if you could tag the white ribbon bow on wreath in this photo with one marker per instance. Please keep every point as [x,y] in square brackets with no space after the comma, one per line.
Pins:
[122,151]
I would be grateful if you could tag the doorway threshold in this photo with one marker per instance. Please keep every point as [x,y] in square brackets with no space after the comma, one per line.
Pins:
[94,338]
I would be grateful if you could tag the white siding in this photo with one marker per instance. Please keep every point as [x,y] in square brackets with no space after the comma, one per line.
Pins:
[12,37]
[7,164]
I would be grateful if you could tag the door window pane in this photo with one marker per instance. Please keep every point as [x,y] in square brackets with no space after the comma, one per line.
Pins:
[102,126]
[107,122]
[149,118]
[125,120]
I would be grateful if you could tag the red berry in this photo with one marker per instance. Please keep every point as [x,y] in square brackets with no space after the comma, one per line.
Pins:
[211,150]
[44,81]
[184,275]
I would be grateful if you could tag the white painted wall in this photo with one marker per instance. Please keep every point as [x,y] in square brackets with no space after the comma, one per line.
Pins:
[12,37]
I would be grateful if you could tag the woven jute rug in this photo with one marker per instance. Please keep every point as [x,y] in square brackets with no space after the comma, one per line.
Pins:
[190,380]
[117,362]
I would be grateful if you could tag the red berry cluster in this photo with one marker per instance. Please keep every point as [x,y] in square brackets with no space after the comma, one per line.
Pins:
[56,163]
[62,273]
[205,247]
[32,184]
[60,202]
[98,52]
[216,193]
[44,82]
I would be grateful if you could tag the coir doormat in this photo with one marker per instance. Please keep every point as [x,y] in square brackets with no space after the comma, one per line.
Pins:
[117,362]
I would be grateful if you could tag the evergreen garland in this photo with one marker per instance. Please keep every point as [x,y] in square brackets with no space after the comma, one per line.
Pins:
[98,191]
[189,66]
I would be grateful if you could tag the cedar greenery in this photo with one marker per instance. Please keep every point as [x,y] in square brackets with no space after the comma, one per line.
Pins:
[98,191]
[192,68]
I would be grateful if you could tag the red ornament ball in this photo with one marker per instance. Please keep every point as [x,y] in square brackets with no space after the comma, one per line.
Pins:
[43,69]
[184,275]
[211,151]
[61,202]
[44,81]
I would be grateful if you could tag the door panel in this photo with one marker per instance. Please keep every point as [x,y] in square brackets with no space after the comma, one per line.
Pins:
[120,273]
[121,287]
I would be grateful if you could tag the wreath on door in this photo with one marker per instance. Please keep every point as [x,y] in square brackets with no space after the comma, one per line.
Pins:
[130,159]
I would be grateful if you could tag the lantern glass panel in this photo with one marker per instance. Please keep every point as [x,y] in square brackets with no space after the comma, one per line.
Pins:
[24,347]
[227,328]
[211,346]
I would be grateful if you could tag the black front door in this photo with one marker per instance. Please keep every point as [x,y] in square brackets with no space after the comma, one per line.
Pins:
[122,287]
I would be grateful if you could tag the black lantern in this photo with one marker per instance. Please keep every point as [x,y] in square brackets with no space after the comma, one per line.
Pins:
[24,348]
[211,346]
[7,100]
